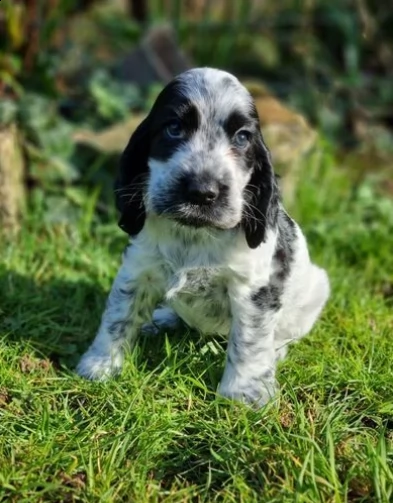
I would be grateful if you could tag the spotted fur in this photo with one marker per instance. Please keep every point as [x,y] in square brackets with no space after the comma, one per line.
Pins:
[234,263]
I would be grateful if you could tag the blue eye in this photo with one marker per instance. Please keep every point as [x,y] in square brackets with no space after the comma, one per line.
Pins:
[241,139]
[174,130]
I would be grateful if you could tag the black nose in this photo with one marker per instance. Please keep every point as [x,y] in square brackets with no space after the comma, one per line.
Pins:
[198,192]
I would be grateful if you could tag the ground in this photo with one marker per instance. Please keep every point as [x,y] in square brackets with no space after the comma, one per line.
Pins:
[158,432]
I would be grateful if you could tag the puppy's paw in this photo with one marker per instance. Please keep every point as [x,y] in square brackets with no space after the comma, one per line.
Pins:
[99,367]
[255,392]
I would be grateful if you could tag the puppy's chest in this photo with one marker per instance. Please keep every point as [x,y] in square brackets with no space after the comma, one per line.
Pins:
[200,298]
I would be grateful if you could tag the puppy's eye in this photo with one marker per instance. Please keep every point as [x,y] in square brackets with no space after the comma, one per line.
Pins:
[241,139]
[174,130]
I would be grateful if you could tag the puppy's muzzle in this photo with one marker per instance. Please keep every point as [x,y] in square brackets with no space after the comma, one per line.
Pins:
[198,200]
[202,190]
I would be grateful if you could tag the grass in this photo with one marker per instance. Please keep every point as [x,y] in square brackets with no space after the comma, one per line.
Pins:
[158,432]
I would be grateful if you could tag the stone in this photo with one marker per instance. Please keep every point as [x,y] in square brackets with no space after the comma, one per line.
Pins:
[12,174]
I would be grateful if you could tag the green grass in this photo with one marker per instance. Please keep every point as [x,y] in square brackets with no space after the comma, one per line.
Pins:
[158,432]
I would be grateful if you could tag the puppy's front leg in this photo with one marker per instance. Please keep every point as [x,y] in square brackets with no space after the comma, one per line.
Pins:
[249,374]
[134,295]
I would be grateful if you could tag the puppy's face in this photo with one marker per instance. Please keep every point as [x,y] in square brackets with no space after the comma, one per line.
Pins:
[204,130]
[201,156]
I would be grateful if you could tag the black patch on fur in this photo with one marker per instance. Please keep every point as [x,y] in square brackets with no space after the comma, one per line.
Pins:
[119,333]
[268,298]
[133,171]
[261,195]
[283,256]
[189,116]
[254,112]
[117,328]
[148,139]
[234,122]
[127,292]
[183,110]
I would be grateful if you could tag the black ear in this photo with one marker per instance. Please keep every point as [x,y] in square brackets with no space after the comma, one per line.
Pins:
[133,171]
[261,196]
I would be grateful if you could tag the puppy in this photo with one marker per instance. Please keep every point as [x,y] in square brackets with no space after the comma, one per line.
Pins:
[211,242]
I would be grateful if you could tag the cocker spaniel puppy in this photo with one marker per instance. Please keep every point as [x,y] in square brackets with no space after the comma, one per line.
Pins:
[211,242]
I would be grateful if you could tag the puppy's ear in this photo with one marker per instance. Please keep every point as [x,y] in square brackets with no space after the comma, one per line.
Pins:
[261,196]
[133,172]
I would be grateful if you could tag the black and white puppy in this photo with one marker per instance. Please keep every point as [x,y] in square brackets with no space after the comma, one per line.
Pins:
[211,243]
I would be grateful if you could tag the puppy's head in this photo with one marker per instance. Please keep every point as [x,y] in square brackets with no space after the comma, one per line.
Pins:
[199,159]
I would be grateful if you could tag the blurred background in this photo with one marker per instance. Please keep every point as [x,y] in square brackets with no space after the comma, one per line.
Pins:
[76,78]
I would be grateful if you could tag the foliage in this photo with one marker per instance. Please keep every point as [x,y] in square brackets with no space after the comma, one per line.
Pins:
[331,60]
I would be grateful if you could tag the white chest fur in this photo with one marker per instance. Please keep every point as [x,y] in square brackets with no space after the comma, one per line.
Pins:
[196,269]
[200,297]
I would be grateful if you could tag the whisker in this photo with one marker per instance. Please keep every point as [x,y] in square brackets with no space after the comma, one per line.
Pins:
[140,180]
[131,186]
[254,209]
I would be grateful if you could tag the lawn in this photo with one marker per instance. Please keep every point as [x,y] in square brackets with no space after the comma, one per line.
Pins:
[158,432]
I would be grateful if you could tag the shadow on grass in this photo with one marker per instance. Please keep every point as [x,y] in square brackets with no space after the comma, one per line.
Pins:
[58,319]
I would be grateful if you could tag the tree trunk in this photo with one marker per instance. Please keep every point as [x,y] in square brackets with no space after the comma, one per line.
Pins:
[12,186]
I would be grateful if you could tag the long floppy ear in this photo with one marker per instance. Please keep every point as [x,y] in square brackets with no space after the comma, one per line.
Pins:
[262,197]
[133,170]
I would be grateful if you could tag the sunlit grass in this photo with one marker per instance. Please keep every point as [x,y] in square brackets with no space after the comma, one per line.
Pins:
[158,432]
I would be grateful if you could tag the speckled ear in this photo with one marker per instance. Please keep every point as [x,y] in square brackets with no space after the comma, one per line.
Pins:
[262,197]
[133,171]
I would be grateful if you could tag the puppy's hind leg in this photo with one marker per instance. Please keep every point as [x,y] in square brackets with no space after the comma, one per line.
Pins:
[164,318]
[317,295]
